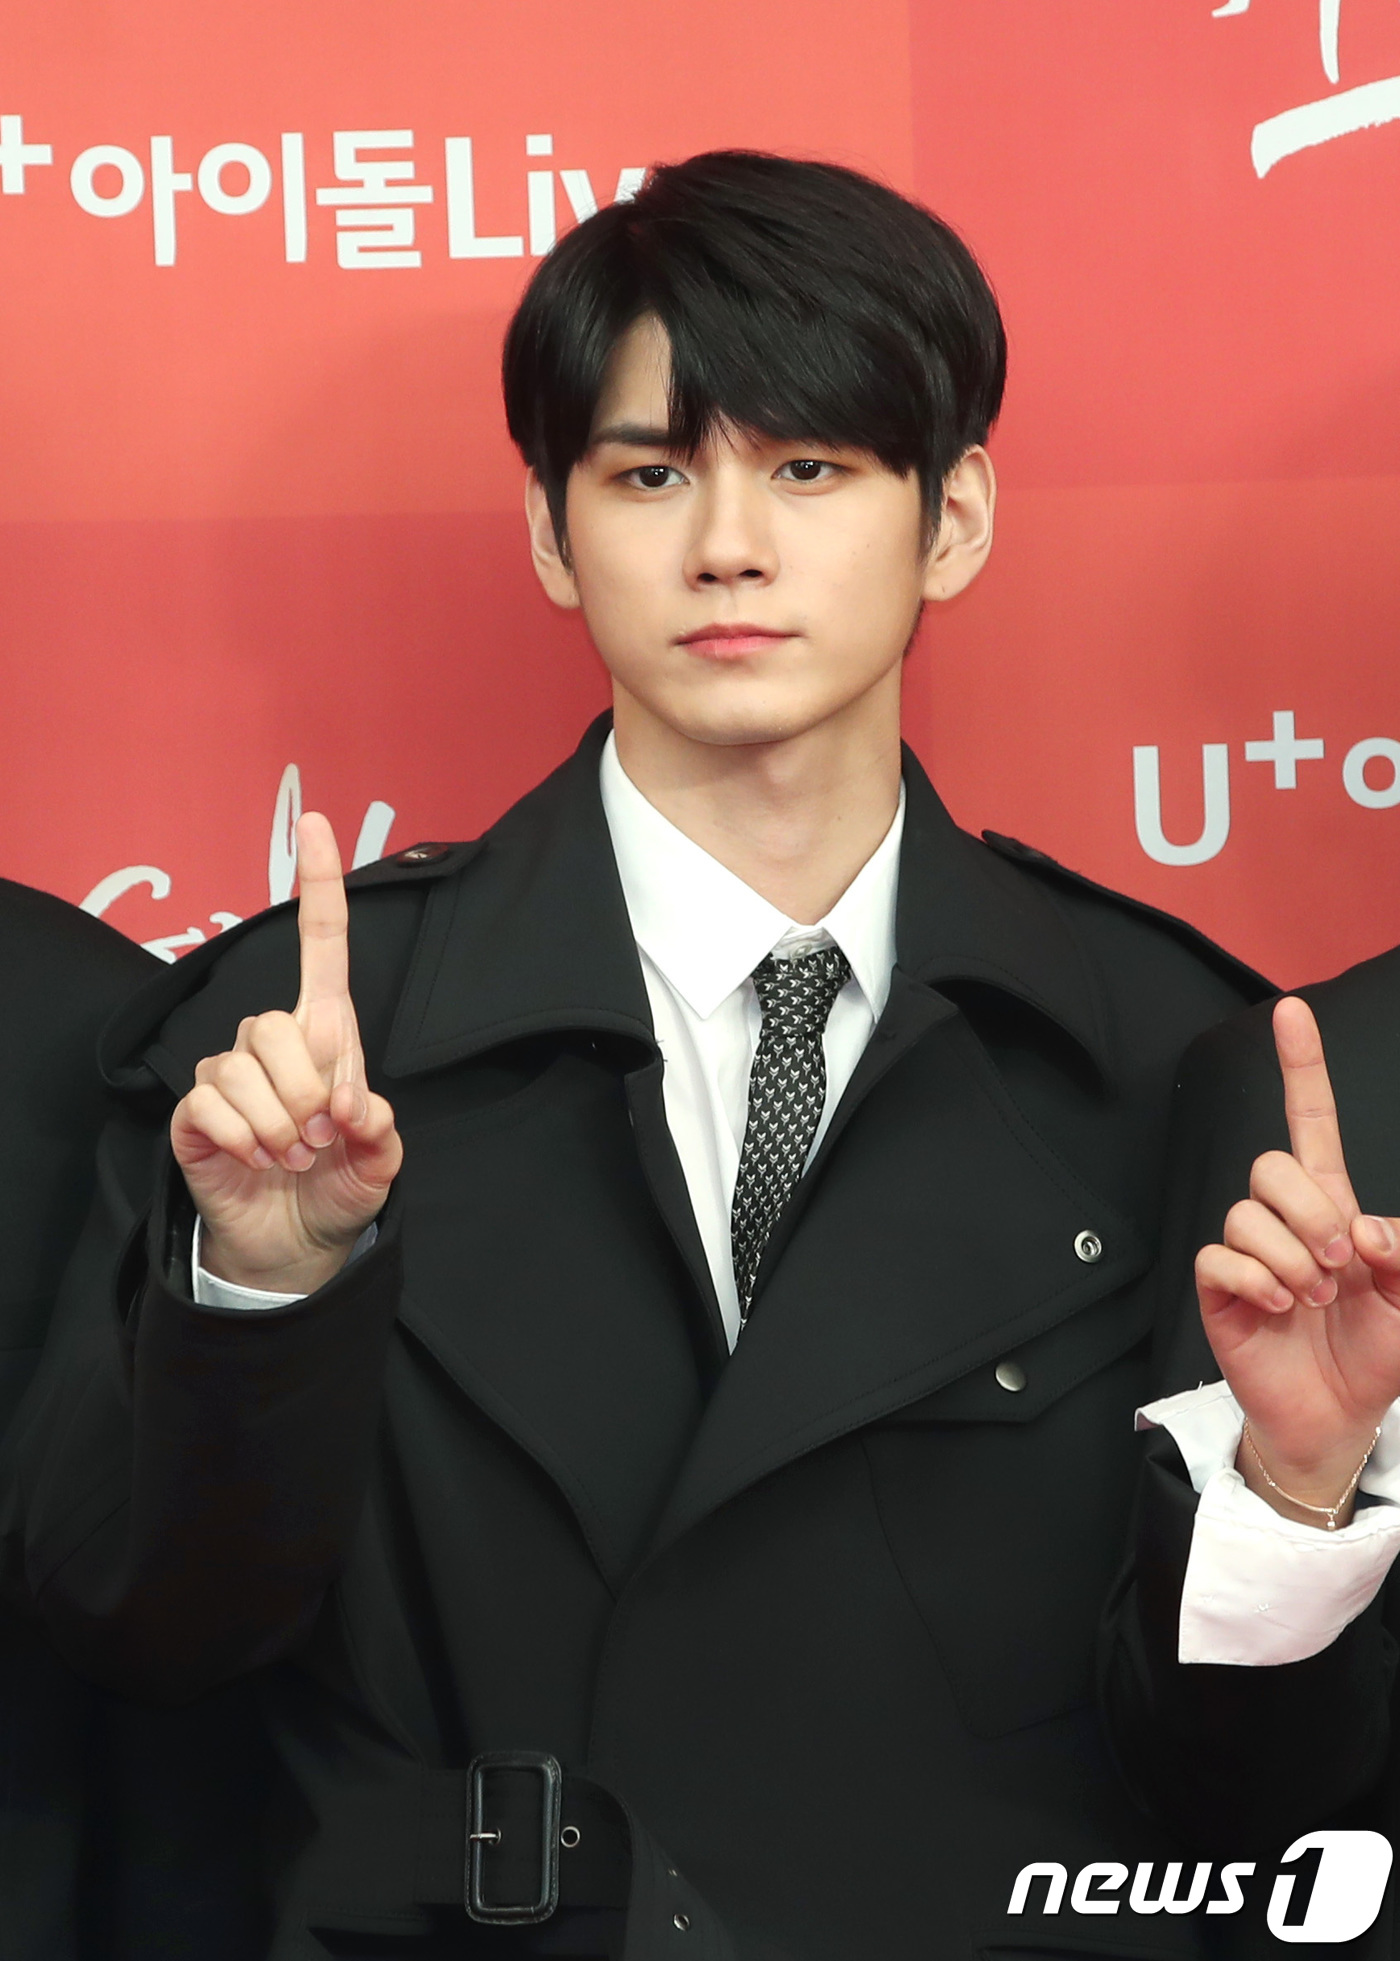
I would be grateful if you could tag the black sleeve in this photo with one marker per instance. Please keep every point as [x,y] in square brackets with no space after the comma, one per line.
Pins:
[189,1478]
[184,1482]
[1233,1758]
[62,974]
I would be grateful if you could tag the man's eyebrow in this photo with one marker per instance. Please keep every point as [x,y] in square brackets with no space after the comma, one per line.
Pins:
[632,435]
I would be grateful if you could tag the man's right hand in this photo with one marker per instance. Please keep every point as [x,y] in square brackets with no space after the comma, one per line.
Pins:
[287,1153]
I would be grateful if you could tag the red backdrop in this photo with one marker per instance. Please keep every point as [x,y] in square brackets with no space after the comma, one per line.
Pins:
[258,512]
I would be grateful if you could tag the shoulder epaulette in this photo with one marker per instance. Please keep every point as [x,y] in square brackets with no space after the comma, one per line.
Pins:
[134,1022]
[1040,861]
[419,861]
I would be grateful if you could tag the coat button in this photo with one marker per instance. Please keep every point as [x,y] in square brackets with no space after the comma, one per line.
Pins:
[1088,1247]
[1010,1375]
[421,854]
[680,1921]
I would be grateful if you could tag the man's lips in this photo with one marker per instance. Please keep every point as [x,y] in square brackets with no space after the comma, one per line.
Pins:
[731,642]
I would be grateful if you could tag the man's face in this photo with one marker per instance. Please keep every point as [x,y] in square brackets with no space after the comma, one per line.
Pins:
[755,590]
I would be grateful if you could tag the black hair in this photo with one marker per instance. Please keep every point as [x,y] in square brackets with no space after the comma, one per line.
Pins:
[800,300]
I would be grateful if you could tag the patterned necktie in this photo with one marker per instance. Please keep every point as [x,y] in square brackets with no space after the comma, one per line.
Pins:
[787,1090]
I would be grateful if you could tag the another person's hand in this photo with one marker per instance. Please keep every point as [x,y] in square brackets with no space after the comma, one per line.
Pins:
[287,1152]
[1301,1304]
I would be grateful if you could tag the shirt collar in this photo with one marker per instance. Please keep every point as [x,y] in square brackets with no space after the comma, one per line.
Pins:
[706,931]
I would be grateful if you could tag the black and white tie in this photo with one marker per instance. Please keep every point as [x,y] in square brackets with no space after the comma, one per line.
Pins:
[787,1090]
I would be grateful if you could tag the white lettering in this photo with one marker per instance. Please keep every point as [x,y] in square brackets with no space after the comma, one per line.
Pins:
[374,834]
[116,884]
[1141,1901]
[294,197]
[281,866]
[463,239]
[1348,1890]
[1329,20]
[583,200]
[17,156]
[234,204]
[382,237]
[1303,128]
[1232,1899]
[1344,1902]
[1147,806]
[1056,1879]
[1285,751]
[166,180]
[82,180]
[1379,749]
[1107,1875]
[578,188]
[539,193]
[108,890]
[282,849]
[166,949]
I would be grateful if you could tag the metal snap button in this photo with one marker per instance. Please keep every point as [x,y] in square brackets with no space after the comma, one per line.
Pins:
[1088,1247]
[1010,1375]
[421,854]
[680,1921]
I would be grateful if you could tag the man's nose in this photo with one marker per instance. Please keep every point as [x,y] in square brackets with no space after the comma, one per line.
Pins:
[732,543]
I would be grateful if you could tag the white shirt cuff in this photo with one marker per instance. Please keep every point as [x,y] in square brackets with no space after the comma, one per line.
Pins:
[1262,1589]
[210,1291]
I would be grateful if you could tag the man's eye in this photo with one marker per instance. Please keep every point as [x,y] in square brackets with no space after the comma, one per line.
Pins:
[654,476]
[805,469]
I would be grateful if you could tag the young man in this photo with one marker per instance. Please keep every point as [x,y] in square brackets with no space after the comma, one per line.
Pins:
[677,1328]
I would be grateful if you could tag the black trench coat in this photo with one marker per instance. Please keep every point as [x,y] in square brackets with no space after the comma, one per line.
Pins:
[824,1615]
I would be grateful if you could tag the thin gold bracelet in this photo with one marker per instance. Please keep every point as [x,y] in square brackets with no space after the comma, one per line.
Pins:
[1329,1512]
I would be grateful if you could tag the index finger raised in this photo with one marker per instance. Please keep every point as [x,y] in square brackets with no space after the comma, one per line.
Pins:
[1308,1102]
[322,914]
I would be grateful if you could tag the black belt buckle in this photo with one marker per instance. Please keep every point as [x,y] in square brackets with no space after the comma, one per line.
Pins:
[513,1837]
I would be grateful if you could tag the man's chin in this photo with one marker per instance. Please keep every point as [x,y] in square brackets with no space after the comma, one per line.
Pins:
[741,723]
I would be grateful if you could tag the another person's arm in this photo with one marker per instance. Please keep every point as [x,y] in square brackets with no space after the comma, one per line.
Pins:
[1314,1377]
[190,1477]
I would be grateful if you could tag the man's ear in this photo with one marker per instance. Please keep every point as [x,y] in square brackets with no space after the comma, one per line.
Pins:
[551,567]
[965,528]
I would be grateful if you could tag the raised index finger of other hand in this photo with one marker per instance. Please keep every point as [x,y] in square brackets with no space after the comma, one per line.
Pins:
[322,914]
[1308,1101]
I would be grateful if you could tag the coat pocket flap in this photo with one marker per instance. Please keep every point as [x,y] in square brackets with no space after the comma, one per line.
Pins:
[1018,1386]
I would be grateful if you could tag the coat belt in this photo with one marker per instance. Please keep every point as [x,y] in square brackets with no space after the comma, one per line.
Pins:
[395,1861]
[595,1862]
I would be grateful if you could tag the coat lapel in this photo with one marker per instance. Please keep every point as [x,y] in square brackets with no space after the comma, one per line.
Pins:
[534,941]
[592,1331]
[538,942]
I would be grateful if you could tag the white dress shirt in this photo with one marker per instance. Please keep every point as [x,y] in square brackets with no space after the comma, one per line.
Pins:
[1259,1589]
[700,932]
